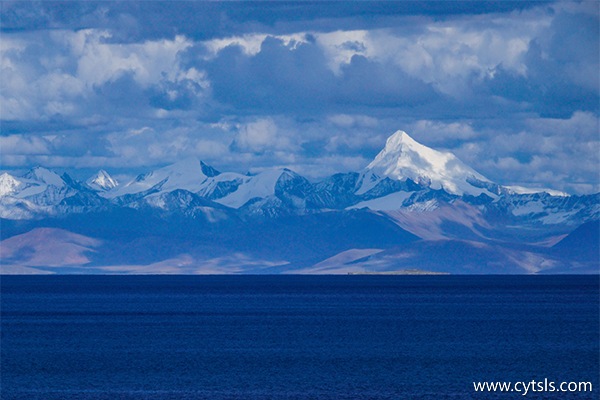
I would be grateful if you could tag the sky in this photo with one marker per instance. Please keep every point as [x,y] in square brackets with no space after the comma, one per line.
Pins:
[510,87]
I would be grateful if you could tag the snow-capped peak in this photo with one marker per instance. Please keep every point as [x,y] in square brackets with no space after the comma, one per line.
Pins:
[102,181]
[8,184]
[46,176]
[186,174]
[403,157]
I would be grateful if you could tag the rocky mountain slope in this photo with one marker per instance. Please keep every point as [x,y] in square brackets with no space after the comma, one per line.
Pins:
[412,207]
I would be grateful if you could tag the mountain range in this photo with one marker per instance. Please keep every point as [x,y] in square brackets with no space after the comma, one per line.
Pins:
[412,208]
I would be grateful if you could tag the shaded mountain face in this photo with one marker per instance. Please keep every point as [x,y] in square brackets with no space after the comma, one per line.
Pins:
[412,206]
[581,244]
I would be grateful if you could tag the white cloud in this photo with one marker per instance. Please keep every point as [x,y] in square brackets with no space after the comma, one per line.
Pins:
[444,53]
[561,154]
[349,121]
[449,54]
[100,61]
[24,145]
[56,72]
[436,132]
[260,136]
[210,149]
[580,126]
[149,146]
[341,46]
[250,43]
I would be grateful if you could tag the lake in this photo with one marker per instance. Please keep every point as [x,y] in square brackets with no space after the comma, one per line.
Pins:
[295,337]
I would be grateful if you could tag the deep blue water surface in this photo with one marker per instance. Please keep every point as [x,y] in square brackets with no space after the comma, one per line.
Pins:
[294,337]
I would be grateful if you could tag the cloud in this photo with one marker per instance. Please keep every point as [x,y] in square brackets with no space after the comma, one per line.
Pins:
[24,145]
[511,87]
[477,62]
[280,77]
[261,136]
[446,54]
[366,82]
[562,63]
[302,76]
[72,73]
[563,154]
[148,62]
[463,57]
[135,21]
[161,145]
[581,126]
[349,121]
[442,133]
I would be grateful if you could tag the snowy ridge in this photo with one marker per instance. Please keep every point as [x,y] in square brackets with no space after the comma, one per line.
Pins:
[43,175]
[186,174]
[221,185]
[260,186]
[524,190]
[392,201]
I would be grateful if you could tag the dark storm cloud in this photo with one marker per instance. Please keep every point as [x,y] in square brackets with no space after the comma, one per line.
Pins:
[139,20]
[369,83]
[295,78]
[276,79]
[546,89]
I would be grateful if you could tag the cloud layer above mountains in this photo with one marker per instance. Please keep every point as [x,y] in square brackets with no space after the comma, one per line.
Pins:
[511,88]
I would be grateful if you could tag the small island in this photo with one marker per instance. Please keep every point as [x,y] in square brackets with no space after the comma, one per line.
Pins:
[412,271]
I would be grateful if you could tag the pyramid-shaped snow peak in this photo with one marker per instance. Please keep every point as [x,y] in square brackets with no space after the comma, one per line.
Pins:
[102,181]
[405,158]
